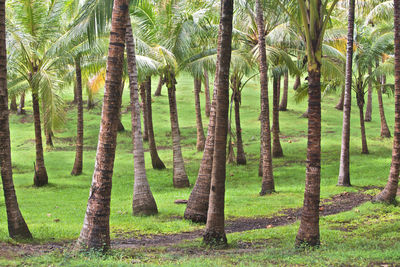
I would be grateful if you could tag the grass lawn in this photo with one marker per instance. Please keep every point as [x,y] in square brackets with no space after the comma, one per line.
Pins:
[55,213]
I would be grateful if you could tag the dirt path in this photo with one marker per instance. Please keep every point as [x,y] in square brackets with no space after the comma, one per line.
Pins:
[334,205]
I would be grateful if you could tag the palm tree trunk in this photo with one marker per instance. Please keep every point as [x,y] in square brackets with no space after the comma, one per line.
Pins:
[199,123]
[17,228]
[144,108]
[214,234]
[121,127]
[339,105]
[368,111]
[268,185]
[49,137]
[297,82]
[77,169]
[240,156]
[207,93]
[155,159]
[13,104]
[21,107]
[159,86]
[143,200]
[180,178]
[388,194]
[362,127]
[344,168]
[385,132]
[276,147]
[283,104]
[75,101]
[95,233]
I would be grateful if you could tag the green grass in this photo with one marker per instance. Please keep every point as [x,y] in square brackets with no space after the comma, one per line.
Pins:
[65,198]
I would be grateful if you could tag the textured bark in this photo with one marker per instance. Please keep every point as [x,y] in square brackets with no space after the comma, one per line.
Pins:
[180,178]
[284,100]
[276,143]
[49,137]
[199,123]
[297,82]
[385,132]
[344,168]
[214,234]
[143,200]
[159,86]
[121,127]
[368,111]
[207,93]
[362,127]
[155,159]
[21,106]
[77,169]
[95,233]
[13,104]
[339,105]
[388,194]
[17,228]
[237,98]
[268,185]
[144,108]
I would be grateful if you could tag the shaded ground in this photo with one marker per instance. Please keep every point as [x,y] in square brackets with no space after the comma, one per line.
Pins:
[334,205]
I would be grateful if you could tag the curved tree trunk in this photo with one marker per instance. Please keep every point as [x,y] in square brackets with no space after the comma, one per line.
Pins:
[214,234]
[155,159]
[77,169]
[388,194]
[339,105]
[199,123]
[207,93]
[180,178]
[276,147]
[344,168]
[21,106]
[283,104]
[95,233]
[368,111]
[385,132]
[144,108]
[17,228]
[268,185]
[240,156]
[143,200]
[159,86]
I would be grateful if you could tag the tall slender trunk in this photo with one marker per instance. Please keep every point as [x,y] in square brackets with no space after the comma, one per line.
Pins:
[49,137]
[339,105]
[268,185]
[180,178]
[159,86]
[362,127]
[388,194]
[17,228]
[155,159]
[77,169]
[199,123]
[40,178]
[283,104]
[21,106]
[75,101]
[13,104]
[297,82]
[344,168]
[368,111]
[237,98]
[207,93]
[121,127]
[143,200]
[144,108]
[276,147]
[95,233]
[385,132]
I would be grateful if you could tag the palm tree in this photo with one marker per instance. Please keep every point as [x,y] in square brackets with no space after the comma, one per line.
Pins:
[207,93]
[389,192]
[95,233]
[17,227]
[199,123]
[368,110]
[215,230]
[284,100]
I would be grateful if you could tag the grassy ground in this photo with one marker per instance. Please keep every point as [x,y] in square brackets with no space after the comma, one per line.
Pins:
[55,212]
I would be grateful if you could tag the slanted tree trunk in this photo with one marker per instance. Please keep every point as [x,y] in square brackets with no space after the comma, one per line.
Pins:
[368,111]
[268,185]
[284,100]
[95,233]
[199,123]
[297,82]
[339,105]
[144,108]
[180,178]
[121,127]
[207,93]
[276,147]
[155,159]
[78,164]
[49,137]
[388,194]
[237,98]
[360,104]
[13,104]
[344,168]
[21,106]
[161,82]
[385,132]
[143,200]
[17,228]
